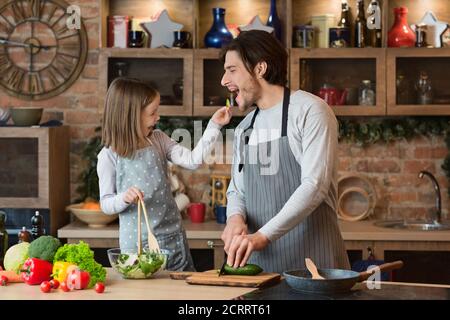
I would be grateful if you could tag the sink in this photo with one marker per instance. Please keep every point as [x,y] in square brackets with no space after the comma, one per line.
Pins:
[412,225]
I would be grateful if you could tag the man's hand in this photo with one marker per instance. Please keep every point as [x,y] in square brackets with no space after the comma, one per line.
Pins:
[243,245]
[132,195]
[222,116]
[235,226]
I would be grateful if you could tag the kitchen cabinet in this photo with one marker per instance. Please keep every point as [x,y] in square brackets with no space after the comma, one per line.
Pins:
[308,68]
[169,71]
[34,173]
[402,97]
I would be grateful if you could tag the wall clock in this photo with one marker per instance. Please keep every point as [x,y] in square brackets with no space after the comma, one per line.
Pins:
[42,47]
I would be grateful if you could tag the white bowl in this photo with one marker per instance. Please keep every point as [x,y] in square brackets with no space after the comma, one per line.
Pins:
[93,218]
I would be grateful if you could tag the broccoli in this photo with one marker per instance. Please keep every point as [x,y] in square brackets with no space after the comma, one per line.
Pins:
[44,248]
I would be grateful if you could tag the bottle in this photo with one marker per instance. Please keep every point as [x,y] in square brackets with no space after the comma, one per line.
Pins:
[273,20]
[24,235]
[37,225]
[366,94]
[402,87]
[218,35]
[374,24]
[3,237]
[424,89]
[360,27]
[401,35]
[344,21]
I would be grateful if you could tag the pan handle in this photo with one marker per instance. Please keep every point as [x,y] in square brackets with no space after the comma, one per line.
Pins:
[383,267]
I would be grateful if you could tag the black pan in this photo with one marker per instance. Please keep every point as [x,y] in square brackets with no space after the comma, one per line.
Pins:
[336,280]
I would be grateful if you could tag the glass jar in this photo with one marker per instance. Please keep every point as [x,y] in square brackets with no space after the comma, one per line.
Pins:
[366,93]
[423,89]
[403,91]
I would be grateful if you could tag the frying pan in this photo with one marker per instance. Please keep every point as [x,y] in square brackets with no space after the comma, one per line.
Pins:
[336,280]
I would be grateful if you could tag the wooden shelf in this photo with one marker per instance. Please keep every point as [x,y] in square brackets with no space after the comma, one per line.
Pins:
[145,53]
[334,55]
[424,56]
[197,18]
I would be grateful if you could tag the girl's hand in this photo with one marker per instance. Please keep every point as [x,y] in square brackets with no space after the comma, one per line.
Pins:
[222,116]
[132,195]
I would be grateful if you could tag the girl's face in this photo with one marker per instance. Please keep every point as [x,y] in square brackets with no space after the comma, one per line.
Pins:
[149,117]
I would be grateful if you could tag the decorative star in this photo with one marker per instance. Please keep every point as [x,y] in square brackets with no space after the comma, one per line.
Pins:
[161,30]
[256,24]
[433,34]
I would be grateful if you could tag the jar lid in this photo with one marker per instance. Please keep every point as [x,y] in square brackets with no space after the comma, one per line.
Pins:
[303,27]
[366,81]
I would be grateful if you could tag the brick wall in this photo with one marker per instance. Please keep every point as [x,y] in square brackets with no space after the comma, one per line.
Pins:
[391,168]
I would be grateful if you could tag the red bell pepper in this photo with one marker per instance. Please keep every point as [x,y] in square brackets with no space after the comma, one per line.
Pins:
[35,271]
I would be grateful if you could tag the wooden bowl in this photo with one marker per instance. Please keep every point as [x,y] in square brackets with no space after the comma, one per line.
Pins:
[93,218]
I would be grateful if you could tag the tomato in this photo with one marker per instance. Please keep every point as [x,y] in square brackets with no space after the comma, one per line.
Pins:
[64,287]
[3,280]
[99,287]
[78,279]
[46,287]
[54,283]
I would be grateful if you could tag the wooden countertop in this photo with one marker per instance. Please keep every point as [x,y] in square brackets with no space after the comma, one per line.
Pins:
[351,231]
[159,288]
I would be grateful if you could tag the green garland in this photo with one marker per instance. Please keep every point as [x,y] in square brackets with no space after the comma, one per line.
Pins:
[372,130]
[360,131]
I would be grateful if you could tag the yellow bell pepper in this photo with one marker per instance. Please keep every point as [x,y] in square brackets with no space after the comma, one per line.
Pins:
[60,270]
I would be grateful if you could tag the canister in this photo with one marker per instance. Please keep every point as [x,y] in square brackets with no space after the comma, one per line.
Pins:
[118,27]
[321,24]
[303,36]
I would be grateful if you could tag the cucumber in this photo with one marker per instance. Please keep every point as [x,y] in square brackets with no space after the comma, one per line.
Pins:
[247,270]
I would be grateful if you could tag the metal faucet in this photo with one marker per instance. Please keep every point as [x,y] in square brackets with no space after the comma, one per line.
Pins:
[438,213]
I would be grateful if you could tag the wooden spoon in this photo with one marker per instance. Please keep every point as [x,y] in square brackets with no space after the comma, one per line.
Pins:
[313,269]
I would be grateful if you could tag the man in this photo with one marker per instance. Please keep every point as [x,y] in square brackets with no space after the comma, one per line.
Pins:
[281,209]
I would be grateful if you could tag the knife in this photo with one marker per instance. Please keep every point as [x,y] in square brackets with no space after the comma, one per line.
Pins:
[222,270]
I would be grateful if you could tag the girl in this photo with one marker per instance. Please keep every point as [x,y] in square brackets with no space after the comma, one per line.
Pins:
[133,164]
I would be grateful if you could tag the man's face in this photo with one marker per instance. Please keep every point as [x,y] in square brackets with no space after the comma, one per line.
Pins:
[239,81]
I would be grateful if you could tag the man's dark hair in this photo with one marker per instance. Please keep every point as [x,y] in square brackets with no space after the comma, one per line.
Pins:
[256,46]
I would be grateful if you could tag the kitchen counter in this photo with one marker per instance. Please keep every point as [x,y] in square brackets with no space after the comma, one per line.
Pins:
[387,291]
[163,288]
[159,288]
[351,231]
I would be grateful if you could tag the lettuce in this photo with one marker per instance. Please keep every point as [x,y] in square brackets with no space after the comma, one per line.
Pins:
[81,255]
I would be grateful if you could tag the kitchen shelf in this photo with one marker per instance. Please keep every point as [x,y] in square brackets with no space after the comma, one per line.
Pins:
[197,18]
[410,61]
[160,67]
[370,64]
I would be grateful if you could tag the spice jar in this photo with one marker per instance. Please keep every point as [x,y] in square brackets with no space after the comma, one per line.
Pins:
[303,36]
[366,93]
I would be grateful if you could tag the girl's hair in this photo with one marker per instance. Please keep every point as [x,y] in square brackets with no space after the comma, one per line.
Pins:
[125,100]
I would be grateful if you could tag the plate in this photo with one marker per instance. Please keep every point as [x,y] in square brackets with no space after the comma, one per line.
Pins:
[356,197]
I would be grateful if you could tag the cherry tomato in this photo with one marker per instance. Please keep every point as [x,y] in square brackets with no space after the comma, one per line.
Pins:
[64,287]
[3,280]
[46,287]
[99,287]
[54,283]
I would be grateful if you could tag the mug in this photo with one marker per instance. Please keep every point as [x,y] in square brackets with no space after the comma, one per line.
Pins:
[221,214]
[196,211]
[182,39]
[135,39]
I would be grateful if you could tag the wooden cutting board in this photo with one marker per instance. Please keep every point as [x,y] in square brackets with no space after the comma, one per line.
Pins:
[211,278]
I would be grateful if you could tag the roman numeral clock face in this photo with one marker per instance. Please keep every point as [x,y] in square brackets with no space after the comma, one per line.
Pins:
[42,48]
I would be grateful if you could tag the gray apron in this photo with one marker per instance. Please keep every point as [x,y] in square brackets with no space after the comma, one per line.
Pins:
[147,171]
[317,237]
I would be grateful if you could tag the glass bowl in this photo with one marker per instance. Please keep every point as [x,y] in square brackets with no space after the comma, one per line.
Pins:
[132,266]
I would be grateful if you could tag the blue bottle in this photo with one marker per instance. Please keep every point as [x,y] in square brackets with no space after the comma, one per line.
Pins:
[218,35]
[273,20]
